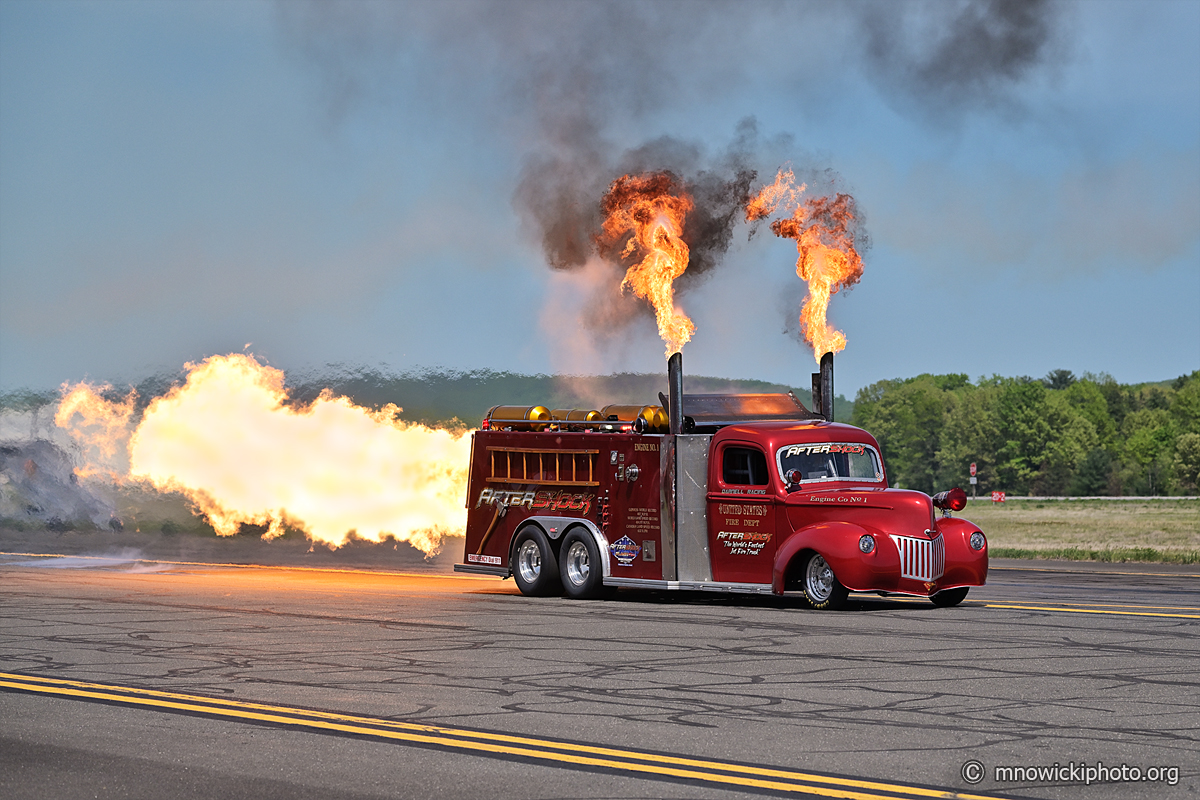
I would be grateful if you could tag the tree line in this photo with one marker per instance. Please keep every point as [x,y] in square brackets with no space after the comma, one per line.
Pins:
[1055,436]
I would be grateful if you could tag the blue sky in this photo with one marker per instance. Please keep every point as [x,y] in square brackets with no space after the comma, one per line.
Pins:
[337,183]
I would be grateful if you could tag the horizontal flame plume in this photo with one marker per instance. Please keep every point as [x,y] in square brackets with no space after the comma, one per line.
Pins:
[823,229]
[101,428]
[228,441]
[652,208]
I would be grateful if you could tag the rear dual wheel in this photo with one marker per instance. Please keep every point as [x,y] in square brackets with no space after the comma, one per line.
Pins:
[535,569]
[579,566]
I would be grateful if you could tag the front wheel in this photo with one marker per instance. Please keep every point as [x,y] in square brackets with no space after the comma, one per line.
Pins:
[950,597]
[535,569]
[579,566]
[821,587]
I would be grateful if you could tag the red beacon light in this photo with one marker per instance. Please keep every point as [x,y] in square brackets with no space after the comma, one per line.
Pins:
[953,500]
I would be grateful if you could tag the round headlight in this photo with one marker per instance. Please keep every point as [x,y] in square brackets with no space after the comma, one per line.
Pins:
[977,541]
[866,543]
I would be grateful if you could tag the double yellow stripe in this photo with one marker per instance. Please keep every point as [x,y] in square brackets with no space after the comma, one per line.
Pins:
[1068,608]
[992,568]
[567,753]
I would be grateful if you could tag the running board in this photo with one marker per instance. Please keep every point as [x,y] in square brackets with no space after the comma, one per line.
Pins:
[689,586]
[482,569]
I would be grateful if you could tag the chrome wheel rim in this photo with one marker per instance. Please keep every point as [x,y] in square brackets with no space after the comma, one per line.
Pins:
[819,580]
[578,563]
[529,561]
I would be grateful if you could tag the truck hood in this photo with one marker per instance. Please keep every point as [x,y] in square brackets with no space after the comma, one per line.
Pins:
[899,511]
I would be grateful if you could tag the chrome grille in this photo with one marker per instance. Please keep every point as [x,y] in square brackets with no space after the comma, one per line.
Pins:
[921,559]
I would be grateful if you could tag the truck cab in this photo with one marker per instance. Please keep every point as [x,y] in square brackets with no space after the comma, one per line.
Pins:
[806,506]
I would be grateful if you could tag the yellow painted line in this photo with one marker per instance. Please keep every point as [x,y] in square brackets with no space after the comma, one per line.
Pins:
[483,742]
[1112,605]
[1092,607]
[1023,604]
[1097,571]
[1092,611]
[453,575]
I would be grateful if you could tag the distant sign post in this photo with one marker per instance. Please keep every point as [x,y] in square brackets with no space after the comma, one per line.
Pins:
[997,497]
[974,480]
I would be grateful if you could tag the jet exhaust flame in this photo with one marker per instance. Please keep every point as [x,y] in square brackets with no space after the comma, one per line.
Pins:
[824,231]
[101,427]
[651,209]
[228,441]
[783,191]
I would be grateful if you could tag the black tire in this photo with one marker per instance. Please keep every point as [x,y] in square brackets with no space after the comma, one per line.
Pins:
[821,586]
[580,567]
[950,597]
[534,567]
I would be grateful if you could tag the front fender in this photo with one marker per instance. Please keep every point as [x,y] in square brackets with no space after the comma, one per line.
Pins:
[837,542]
[964,566]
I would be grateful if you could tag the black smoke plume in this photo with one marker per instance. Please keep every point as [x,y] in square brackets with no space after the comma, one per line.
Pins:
[567,82]
[559,199]
[947,57]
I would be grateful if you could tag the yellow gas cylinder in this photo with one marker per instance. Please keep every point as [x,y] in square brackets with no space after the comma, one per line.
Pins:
[575,416]
[519,418]
[656,418]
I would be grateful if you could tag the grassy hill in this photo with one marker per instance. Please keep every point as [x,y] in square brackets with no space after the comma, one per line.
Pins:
[441,397]
[433,397]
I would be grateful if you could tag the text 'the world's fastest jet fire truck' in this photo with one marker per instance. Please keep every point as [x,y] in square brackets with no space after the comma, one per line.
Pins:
[730,493]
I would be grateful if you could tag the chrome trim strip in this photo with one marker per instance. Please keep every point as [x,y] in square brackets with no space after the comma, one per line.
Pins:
[691,586]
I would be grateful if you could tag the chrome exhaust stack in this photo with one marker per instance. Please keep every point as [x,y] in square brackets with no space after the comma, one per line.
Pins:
[822,389]
[675,393]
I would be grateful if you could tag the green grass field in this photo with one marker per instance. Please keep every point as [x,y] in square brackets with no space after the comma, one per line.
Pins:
[1091,530]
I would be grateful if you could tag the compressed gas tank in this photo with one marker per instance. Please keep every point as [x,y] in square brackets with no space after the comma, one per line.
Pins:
[655,416]
[518,418]
[577,416]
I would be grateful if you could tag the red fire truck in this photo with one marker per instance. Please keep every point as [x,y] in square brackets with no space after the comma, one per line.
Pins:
[729,493]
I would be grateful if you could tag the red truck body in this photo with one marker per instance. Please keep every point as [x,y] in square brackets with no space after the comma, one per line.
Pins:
[768,506]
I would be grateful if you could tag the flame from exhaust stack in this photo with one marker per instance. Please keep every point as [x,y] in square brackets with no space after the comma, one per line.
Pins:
[227,440]
[822,228]
[652,208]
[783,191]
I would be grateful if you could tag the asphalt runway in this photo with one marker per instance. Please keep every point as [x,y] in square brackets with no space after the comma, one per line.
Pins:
[129,679]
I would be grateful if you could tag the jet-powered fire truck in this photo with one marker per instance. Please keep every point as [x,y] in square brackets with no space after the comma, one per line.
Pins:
[730,493]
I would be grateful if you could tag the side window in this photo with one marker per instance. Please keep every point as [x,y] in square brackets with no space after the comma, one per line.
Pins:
[744,466]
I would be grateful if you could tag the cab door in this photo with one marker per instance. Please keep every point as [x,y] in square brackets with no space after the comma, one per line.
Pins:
[741,514]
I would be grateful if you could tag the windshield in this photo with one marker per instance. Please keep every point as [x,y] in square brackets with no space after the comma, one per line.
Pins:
[831,462]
